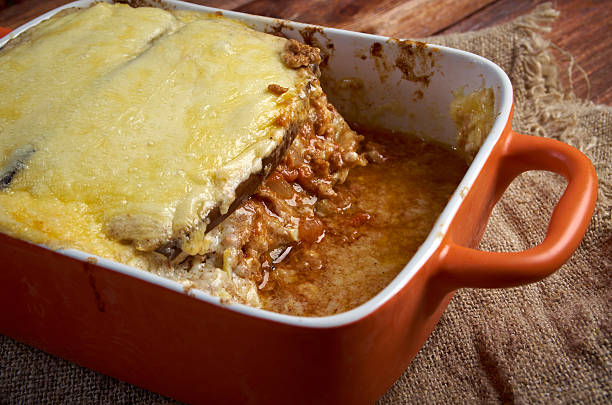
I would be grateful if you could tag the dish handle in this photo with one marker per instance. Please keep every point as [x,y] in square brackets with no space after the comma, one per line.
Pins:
[463,266]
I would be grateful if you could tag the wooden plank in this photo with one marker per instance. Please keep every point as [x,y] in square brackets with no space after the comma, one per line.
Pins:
[18,14]
[584,30]
[8,3]
[492,14]
[412,18]
[224,4]
[26,10]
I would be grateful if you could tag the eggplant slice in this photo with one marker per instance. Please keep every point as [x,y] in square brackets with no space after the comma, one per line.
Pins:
[16,163]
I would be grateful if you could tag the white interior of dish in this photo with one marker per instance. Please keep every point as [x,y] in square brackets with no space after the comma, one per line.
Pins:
[394,104]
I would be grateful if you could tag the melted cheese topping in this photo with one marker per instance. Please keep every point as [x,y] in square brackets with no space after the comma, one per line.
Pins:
[116,115]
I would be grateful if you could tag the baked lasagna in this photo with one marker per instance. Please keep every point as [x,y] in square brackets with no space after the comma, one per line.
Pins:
[131,133]
[191,146]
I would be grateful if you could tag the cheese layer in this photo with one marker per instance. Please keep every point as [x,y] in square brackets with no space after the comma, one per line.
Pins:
[117,115]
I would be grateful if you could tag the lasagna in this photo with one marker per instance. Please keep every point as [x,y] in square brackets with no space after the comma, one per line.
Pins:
[138,134]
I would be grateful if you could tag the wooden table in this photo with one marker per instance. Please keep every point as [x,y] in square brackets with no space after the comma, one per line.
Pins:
[583,30]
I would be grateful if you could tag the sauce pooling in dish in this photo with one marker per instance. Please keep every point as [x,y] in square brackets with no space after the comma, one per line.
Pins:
[380,216]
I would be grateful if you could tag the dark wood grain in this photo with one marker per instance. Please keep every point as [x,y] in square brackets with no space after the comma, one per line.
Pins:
[22,12]
[386,17]
[583,30]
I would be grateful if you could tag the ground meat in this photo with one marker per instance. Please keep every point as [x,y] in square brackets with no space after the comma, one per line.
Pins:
[296,54]
[284,205]
[281,216]
[277,89]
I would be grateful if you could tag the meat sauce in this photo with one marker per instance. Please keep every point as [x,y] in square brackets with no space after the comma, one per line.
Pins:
[362,237]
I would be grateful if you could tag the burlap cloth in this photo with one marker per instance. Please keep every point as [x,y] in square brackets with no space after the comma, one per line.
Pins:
[549,342]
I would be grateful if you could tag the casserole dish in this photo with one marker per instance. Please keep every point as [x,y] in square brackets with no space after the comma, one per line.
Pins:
[122,322]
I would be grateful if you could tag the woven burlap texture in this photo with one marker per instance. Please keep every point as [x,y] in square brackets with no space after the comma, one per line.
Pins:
[549,342]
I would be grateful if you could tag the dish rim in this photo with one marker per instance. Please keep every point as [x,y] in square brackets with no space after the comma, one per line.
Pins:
[416,262]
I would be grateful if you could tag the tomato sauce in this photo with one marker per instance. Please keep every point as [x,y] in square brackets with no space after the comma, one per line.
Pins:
[366,234]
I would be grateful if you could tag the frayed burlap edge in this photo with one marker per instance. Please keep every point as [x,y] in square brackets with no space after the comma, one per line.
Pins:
[549,110]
